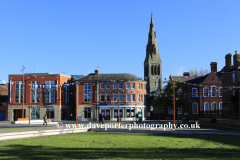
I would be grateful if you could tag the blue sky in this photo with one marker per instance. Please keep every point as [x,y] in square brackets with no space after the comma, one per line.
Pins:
[78,36]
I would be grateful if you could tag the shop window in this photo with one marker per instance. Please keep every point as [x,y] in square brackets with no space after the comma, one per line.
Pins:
[116,113]
[130,112]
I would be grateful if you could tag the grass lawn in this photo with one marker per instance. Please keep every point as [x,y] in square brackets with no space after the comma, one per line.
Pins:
[122,146]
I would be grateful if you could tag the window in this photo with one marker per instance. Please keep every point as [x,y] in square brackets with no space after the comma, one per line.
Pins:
[121,97]
[128,85]
[87,92]
[115,86]
[116,113]
[66,93]
[35,113]
[180,110]
[141,86]
[195,108]
[233,76]
[50,92]
[108,97]
[170,111]
[205,92]
[138,97]
[102,97]
[108,85]
[18,91]
[35,92]
[194,92]
[87,112]
[120,86]
[214,106]
[102,86]
[213,91]
[141,98]
[50,113]
[234,92]
[130,112]
[128,98]
[133,97]
[206,107]
[133,85]
[220,92]
[220,108]
[138,86]
[115,97]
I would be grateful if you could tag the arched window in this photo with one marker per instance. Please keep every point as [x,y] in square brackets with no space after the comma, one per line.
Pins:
[156,70]
[159,69]
[152,69]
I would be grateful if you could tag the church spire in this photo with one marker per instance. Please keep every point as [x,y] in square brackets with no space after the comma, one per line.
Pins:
[152,47]
[153,62]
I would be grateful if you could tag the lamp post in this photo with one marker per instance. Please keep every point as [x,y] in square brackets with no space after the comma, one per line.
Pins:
[173,98]
[76,104]
[118,106]
[23,93]
[29,104]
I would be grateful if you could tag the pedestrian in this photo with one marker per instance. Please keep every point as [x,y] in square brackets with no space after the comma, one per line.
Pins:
[45,119]
[136,117]
[100,119]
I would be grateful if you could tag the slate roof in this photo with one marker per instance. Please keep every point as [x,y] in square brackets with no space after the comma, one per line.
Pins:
[111,77]
[4,87]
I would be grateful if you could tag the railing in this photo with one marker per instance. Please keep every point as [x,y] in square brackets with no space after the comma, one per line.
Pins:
[219,114]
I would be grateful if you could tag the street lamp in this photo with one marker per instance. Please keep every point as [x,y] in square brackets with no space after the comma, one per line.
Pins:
[23,93]
[172,80]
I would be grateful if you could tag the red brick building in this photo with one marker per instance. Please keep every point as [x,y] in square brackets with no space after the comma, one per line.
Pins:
[204,94]
[102,93]
[3,101]
[46,94]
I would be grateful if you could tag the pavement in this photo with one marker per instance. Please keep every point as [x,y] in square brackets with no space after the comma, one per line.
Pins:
[19,131]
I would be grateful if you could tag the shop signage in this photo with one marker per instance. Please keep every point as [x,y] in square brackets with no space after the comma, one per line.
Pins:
[41,106]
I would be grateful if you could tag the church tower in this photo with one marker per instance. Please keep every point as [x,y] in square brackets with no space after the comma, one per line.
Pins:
[153,62]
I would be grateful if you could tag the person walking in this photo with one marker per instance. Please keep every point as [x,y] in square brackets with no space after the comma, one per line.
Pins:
[45,119]
[100,119]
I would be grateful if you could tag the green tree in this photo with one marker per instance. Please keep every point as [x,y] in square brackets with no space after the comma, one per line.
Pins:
[165,99]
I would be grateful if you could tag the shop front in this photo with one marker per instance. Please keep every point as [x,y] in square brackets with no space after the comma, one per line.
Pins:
[127,112]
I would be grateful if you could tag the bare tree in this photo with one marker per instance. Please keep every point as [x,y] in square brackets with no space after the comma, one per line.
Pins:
[195,72]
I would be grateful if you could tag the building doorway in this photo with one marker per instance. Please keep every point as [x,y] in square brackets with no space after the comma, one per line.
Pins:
[18,114]
[140,114]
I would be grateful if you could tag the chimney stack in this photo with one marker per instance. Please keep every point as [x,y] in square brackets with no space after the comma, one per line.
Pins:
[228,59]
[96,72]
[213,67]
[236,59]
[185,73]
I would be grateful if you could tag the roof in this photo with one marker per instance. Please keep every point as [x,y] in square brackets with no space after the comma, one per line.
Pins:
[111,77]
[185,78]
[38,74]
[4,87]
